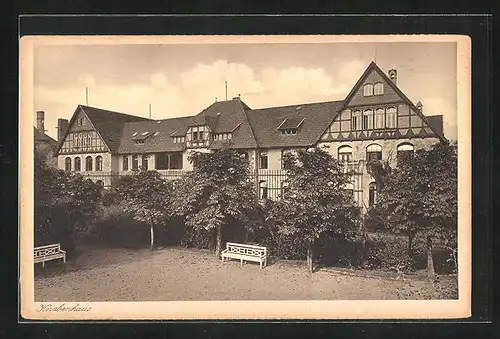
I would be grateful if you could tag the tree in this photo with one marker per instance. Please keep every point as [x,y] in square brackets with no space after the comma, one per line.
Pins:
[315,202]
[217,192]
[66,204]
[420,196]
[144,194]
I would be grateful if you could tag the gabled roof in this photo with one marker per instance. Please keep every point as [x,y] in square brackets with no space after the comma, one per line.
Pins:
[315,117]
[108,124]
[157,142]
[373,67]
[232,117]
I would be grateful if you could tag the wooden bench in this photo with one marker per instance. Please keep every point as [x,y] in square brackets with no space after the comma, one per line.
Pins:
[245,252]
[49,252]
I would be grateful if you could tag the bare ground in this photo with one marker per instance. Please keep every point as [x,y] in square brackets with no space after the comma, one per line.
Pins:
[187,274]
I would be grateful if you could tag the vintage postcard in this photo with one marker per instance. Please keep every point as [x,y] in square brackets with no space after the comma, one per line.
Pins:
[245,177]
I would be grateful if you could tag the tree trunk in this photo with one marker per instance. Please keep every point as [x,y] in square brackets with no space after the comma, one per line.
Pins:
[430,261]
[218,242]
[152,237]
[310,257]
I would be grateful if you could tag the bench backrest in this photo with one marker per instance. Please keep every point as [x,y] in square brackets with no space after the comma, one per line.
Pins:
[246,249]
[43,251]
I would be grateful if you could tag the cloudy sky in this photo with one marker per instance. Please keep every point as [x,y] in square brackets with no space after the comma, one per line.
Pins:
[182,79]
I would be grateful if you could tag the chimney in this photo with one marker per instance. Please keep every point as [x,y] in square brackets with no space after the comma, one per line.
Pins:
[62,125]
[40,117]
[393,75]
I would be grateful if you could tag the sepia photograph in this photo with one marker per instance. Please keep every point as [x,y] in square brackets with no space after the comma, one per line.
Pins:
[245,177]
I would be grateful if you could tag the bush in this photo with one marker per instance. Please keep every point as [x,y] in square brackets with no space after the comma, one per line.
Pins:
[117,229]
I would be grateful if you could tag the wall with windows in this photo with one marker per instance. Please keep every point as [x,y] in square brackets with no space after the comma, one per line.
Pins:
[107,162]
[370,89]
[389,151]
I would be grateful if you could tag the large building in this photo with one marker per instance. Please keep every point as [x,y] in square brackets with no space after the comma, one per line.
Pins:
[375,121]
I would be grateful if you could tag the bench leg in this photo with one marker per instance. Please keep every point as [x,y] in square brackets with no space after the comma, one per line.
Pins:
[261,265]
[43,263]
[222,259]
[241,262]
[64,259]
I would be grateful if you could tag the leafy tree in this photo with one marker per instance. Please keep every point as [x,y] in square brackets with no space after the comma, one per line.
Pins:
[145,195]
[315,202]
[420,196]
[216,193]
[65,204]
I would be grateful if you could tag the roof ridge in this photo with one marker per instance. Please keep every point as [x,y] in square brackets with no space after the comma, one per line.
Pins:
[302,104]
[113,112]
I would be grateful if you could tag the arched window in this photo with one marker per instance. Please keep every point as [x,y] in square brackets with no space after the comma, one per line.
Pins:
[67,164]
[405,153]
[88,163]
[372,194]
[98,163]
[368,119]
[391,114]
[379,118]
[125,163]
[378,89]
[373,152]
[345,153]
[145,162]
[263,189]
[368,90]
[135,162]
[100,183]
[78,164]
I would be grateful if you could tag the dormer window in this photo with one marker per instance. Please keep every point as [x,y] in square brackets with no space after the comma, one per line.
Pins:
[140,138]
[178,140]
[290,126]
[223,136]
[289,131]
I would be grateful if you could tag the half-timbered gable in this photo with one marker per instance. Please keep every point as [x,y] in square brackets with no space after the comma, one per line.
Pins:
[377,109]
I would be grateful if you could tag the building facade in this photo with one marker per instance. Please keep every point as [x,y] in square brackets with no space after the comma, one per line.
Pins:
[375,121]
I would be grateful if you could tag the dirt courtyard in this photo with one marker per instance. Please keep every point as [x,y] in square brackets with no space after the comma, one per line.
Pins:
[185,274]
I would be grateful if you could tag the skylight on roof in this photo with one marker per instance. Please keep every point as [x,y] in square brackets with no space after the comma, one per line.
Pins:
[135,133]
[145,133]
[156,133]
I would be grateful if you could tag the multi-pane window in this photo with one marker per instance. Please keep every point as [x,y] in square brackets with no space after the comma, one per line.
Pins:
[405,153]
[345,153]
[78,164]
[378,89]
[356,123]
[82,142]
[391,116]
[379,118]
[263,190]
[368,119]
[263,160]
[135,162]
[373,152]
[372,194]
[125,163]
[176,161]
[368,90]
[67,164]
[289,131]
[98,163]
[145,162]
[178,140]
[88,163]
